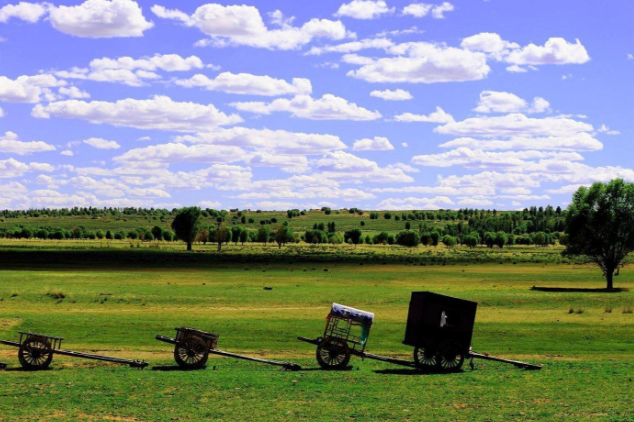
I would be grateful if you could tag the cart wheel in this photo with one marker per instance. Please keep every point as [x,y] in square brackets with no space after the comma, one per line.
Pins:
[35,354]
[333,354]
[425,358]
[191,353]
[450,356]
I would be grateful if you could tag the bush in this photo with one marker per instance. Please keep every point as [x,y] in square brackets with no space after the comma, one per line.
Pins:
[409,238]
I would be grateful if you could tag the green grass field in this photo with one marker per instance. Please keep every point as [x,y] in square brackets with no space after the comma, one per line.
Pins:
[116,308]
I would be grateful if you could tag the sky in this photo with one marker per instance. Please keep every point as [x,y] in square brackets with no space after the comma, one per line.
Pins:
[275,105]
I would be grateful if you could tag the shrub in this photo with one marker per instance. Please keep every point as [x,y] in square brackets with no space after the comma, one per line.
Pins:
[409,238]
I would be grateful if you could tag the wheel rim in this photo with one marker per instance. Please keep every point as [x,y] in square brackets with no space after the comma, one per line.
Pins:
[333,353]
[191,352]
[35,354]
[425,357]
[451,356]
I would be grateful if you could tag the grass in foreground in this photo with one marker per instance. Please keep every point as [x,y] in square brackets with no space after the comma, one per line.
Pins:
[587,356]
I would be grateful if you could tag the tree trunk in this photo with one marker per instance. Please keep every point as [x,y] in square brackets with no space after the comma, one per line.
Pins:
[219,246]
[189,246]
[609,276]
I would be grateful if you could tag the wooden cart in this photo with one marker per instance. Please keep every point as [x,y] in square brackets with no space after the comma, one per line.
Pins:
[36,352]
[192,348]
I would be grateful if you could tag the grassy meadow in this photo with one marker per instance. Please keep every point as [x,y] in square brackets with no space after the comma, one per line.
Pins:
[116,307]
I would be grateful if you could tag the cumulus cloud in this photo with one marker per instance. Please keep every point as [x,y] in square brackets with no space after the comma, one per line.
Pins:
[420,10]
[438,116]
[158,112]
[180,153]
[28,12]
[554,51]
[364,9]
[328,107]
[28,89]
[412,203]
[515,124]
[423,62]
[275,141]
[378,143]
[246,83]
[396,95]
[580,142]
[349,168]
[13,168]
[243,25]
[101,143]
[101,19]
[606,130]
[491,160]
[10,144]
[130,71]
[72,92]
[505,102]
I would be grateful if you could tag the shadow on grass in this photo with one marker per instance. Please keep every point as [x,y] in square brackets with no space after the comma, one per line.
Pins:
[169,368]
[408,371]
[578,290]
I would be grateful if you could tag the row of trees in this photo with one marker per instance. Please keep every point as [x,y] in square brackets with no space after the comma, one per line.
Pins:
[81,232]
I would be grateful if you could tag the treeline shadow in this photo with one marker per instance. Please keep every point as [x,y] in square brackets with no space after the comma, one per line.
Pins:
[578,290]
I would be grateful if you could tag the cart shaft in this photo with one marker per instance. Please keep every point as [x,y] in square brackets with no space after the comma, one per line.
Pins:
[517,363]
[395,361]
[287,365]
[166,339]
[10,343]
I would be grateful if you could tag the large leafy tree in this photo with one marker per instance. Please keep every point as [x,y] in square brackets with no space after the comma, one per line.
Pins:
[600,225]
[186,225]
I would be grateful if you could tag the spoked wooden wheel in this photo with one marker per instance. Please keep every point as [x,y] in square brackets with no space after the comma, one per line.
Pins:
[425,358]
[35,354]
[333,354]
[450,356]
[191,353]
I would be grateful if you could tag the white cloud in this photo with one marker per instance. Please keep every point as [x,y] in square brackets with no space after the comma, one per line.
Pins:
[243,25]
[1,112]
[245,83]
[209,204]
[420,10]
[328,107]
[13,168]
[438,116]
[425,63]
[73,92]
[101,19]
[607,130]
[514,125]
[554,51]
[28,12]
[417,10]
[158,112]
[179,153]
[10,144]
[396,95]
[471,202]
[67,153]
[364,9]
[28,89]
[579,142]
[274,141]
[356,59]
[377,144]
[411,203]
[101,143]
[505,102]
[516,160]
[132,72]
[489,43]
[349,168]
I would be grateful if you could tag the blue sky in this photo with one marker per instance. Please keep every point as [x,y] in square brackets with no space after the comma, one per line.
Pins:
[301,104]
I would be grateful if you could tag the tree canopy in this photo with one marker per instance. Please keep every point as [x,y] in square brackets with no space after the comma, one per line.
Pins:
[186,225]
[600,225]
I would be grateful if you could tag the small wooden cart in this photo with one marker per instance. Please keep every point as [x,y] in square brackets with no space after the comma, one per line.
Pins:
[36,352]
[192,348]
[346,334]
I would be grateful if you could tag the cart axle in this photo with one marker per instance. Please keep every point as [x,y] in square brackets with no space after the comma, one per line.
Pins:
[517,363]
